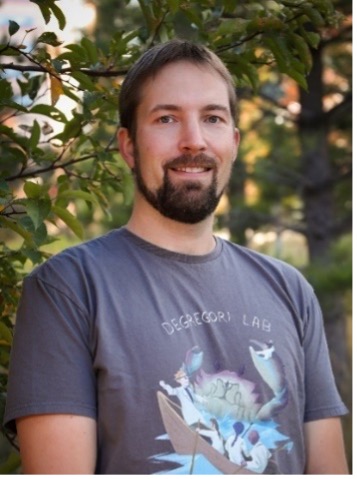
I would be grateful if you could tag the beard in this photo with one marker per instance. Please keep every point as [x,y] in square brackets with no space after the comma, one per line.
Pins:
[187,202]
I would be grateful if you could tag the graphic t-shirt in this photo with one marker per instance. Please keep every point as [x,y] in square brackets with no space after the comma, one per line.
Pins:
[190,364]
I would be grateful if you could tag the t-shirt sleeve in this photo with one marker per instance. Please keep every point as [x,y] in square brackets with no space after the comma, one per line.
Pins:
[51,365]
[322,397]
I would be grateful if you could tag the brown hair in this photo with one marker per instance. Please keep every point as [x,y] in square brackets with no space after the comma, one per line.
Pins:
[152,61]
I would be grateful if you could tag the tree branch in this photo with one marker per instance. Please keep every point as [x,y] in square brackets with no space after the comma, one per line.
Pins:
[41,69]
[32,60]
[251,36]
[52,167]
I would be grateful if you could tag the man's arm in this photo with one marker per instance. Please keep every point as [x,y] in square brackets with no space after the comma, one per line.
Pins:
[57,444]
[325,447]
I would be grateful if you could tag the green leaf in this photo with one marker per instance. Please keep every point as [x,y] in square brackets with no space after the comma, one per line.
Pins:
[68,92]
[92,100]
[11,464]
[33,190]
[71,129]
[8,50]
[59,15]
[84,81]
[302,49]
[35,135]
[5,333]
[79,53]
[12,225]
[57,65]
[45,10]
[314,15]
[312,38]
[27,223]
[173,5]
[91,50]
[13,27]
[38,210]
[243,68]
[298,77]
[70,220]
[49,38]
[13,104]
[18,139]
[35,83]
[32,253]
[6,92]
[280,50]
[232,25]
[192,16]
[77,194]
[49,111]
[40,235]
[127,187]
[48,7]
[42,55]
[4,188]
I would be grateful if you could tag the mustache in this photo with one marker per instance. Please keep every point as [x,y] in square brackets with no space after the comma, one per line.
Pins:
[198,161]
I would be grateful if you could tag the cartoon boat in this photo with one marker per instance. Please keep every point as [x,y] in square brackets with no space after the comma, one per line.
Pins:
[186,441]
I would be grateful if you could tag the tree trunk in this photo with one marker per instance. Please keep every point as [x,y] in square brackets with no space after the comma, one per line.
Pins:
[319,215]
[316,169]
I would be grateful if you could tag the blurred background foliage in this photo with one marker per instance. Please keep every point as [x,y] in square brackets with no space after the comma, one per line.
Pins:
[62,179]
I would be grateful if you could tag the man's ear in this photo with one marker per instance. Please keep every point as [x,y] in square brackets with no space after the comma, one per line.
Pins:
[126,147]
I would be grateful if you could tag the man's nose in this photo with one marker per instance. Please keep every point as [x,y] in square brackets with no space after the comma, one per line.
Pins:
[192,137]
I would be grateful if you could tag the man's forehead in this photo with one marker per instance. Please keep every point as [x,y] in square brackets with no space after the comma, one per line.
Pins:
[184,64]
[184,69]
[184,83]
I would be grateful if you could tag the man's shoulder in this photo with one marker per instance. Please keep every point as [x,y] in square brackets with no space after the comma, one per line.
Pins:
[86,256]
[260,263]
[251,255]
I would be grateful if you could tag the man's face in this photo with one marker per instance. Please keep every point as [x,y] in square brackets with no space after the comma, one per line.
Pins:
[185,142]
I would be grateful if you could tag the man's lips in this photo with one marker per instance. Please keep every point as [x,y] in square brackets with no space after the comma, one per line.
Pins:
[192,169]
[189,164]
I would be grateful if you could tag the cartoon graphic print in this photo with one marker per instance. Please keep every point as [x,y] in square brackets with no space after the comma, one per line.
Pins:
[217,419]
[187,397]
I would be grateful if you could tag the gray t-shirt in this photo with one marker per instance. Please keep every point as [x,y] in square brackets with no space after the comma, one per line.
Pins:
[190,364]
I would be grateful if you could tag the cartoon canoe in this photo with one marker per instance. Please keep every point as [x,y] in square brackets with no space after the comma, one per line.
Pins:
[188,442]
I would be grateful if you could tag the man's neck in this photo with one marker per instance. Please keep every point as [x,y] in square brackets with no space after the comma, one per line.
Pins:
[150,225]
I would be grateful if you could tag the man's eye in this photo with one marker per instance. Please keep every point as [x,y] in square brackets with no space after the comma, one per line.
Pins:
[214,119]
[165,119]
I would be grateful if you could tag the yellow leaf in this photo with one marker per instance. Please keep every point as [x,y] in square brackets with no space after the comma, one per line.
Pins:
[56,89]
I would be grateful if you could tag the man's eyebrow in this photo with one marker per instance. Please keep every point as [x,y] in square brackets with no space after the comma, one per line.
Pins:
[216,106]
[172,107]
[165,106]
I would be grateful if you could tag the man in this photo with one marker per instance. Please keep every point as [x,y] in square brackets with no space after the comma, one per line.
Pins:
[100,325]
[187,397]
